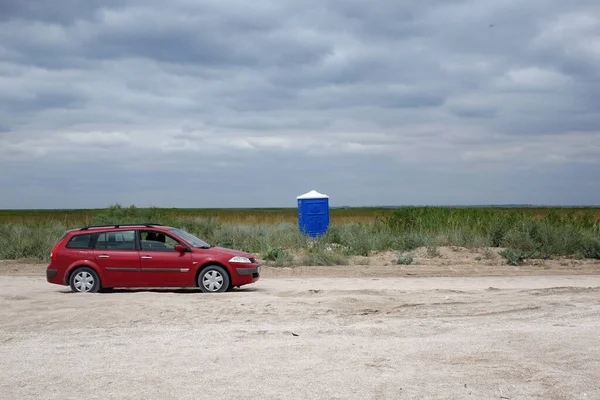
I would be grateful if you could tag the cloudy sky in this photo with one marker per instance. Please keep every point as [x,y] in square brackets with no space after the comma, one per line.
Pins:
[193,103]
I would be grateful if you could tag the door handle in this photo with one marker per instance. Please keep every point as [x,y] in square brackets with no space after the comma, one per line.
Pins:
[103,256]
[146,257]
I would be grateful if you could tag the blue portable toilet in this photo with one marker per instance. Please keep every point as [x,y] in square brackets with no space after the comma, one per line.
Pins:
[313,213]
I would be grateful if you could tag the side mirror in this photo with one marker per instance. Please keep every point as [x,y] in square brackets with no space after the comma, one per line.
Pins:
[180,248]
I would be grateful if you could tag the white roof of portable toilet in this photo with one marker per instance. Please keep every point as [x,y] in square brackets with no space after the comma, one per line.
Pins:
[313,194]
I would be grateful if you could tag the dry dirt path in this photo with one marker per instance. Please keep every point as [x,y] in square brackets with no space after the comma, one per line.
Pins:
[305,337]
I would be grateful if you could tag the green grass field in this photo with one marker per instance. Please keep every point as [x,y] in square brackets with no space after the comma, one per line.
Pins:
[260,215]
[225,215]
[273,233]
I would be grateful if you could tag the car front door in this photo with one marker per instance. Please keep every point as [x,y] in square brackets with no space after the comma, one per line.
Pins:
[161,264]
[116,255]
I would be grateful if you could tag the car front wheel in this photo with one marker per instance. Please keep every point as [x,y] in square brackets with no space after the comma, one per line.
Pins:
[213,279]
[84,280]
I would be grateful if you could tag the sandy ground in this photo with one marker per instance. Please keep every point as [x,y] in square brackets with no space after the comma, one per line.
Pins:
[350,332]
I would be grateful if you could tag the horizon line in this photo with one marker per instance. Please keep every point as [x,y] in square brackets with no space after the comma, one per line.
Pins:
[507,205]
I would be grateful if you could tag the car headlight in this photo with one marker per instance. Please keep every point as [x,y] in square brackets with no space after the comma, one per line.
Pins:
[239,259]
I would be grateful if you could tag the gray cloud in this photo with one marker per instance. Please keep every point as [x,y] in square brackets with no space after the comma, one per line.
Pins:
[473,112]
[235,103]
[60,11]
[40,102]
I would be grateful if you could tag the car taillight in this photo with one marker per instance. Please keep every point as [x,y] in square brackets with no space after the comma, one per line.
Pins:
[55,248]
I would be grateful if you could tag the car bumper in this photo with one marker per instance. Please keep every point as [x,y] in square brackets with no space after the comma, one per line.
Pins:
[52,276]
[248,271]
[244,276]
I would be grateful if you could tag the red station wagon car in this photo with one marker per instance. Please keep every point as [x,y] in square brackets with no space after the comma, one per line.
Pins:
[146,255]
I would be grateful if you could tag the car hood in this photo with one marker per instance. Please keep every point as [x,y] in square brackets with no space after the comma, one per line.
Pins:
[229,252]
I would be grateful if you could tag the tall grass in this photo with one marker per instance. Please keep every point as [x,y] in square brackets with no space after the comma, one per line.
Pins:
[555,233]
[225,215]
[549,235]
[29,241]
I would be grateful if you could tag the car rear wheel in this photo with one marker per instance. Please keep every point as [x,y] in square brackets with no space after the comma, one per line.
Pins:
[84,280]
[213,279]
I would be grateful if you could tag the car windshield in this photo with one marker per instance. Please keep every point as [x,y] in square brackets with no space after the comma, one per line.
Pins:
[191,239]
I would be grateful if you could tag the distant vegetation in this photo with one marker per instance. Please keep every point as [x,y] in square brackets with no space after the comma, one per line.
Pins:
[82,217]
[273,233]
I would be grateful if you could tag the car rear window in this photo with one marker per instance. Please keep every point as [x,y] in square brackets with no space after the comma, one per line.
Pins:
[80,241]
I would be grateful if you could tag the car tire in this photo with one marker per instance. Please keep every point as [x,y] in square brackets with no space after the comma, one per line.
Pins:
[213,279]
[84,280]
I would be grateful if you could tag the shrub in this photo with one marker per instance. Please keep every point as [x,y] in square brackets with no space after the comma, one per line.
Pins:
[278,256]
[589,247]
[405,259]
[515,257]
[273,254]
[320,254]
[411,241]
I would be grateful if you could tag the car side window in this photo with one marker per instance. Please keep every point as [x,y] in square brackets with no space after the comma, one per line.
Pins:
[80,241]
[116,240]
[157,241]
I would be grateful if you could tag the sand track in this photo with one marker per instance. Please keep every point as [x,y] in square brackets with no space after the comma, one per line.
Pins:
[305,336]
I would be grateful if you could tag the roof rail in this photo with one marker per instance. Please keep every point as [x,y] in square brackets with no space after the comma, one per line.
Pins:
[147,225]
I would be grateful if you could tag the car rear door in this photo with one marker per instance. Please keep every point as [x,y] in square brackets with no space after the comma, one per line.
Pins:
[161,264]
[117,255]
